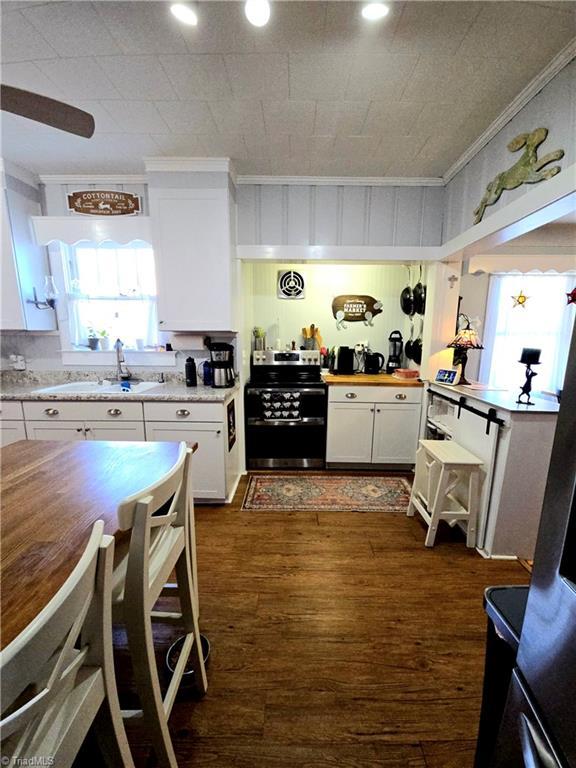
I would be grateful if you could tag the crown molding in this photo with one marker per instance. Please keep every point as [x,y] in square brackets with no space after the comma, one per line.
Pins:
[90,178]
[187,164]
[344,181]
[561,60]
[8,168]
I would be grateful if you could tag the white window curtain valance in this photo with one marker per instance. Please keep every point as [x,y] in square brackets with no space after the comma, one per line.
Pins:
[94,229]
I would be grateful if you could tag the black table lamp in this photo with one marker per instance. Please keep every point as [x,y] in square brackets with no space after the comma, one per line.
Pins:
[528,358]
[466,338]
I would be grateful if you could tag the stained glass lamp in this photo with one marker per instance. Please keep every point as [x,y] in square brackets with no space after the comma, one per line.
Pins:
[465,339]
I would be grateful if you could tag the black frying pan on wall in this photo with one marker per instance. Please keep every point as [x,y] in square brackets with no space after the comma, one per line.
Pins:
[407,297]
[419,296]
[417,346]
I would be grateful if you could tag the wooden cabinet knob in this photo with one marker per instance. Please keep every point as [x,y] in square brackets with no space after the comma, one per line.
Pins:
[51,411]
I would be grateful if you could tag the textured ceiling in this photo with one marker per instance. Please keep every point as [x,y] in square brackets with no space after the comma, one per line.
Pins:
[318,91]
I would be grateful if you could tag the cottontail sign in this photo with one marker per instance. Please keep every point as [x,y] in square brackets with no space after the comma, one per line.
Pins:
[101,202]
[527,170]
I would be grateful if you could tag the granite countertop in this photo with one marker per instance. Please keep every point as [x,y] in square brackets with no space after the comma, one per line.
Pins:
[170,391]
[503,399]
[369,379]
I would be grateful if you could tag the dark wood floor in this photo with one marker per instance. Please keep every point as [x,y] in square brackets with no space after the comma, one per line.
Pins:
[337,640]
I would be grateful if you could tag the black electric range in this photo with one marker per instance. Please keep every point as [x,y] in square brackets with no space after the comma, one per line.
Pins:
[285,405]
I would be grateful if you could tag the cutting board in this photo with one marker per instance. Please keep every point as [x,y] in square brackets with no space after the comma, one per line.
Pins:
[370,379]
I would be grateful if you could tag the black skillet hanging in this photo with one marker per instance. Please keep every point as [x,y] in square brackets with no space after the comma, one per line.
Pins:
[419,296]
[417,346]
[407,298]
[409,344]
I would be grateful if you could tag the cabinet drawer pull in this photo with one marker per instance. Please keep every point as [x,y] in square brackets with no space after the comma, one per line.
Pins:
[218,431]
[182,412]
[79,429]
[377,410]
[401,397]
[87,429]
[351,395]
[51,411]
[114,412]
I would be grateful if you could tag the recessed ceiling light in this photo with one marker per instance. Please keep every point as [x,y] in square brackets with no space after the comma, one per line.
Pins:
[184,13]
[257,12]
[375,11]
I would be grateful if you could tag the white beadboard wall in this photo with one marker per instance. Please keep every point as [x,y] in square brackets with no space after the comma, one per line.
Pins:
[284,318]
[55,202]
[339,215]
[553,108]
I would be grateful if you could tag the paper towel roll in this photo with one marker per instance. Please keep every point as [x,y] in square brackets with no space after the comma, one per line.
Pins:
[186,341]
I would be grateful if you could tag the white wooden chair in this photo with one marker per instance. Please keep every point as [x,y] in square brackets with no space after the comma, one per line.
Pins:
[162,540]
[58,674]
[446,487]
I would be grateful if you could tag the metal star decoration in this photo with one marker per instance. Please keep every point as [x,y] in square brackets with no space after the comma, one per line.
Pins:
[520,300]
[571,297]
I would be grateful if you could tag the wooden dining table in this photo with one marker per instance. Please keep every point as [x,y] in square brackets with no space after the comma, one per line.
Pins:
[52,493]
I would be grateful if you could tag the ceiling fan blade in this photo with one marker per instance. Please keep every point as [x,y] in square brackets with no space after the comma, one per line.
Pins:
[47,111]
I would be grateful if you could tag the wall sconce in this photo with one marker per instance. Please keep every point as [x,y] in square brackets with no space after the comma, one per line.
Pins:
[50,295]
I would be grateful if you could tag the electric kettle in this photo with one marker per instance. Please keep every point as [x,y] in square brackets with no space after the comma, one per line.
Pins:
[373,362]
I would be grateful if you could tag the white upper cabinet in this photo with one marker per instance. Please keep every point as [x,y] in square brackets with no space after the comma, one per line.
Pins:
[193,233]
[24,264]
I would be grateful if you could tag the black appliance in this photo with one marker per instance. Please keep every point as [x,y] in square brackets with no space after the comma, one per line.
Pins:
[395,348]
[373,362]
[285,405]
[222,361]
[538,724]
[344,361]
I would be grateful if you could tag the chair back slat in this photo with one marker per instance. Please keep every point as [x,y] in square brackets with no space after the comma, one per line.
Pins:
[42,661]
[169,487]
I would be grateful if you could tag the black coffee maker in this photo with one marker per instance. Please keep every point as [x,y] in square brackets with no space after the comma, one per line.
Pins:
[222,364]
[396,345]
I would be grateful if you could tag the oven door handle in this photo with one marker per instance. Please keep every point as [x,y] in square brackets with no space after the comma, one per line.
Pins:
[317,391]
[309,421]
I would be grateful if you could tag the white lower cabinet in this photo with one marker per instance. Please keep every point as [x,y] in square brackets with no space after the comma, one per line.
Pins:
[61,430]
[127,430]
[212,425]
[78,430]
[216,463]
[395,434]
[208,469]
[11,423]
[11,432]
[350,432]
[372,425]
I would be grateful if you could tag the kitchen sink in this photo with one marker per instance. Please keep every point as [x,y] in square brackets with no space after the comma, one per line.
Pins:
[94,388]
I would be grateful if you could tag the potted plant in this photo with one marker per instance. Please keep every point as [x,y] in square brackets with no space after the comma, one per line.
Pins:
[93,340]
[104,339]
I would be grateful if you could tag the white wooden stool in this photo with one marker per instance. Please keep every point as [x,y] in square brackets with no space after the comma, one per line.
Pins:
[442,466]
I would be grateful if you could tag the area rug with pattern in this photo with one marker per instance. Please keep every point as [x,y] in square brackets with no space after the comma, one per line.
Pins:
[305,492]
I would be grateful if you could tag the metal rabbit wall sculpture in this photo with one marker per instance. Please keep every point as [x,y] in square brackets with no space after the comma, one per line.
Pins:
[528,169]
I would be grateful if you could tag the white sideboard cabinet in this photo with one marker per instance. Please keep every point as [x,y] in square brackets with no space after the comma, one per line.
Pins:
[373,425]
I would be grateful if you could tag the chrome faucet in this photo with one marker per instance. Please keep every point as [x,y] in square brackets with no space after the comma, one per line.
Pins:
[122,371]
